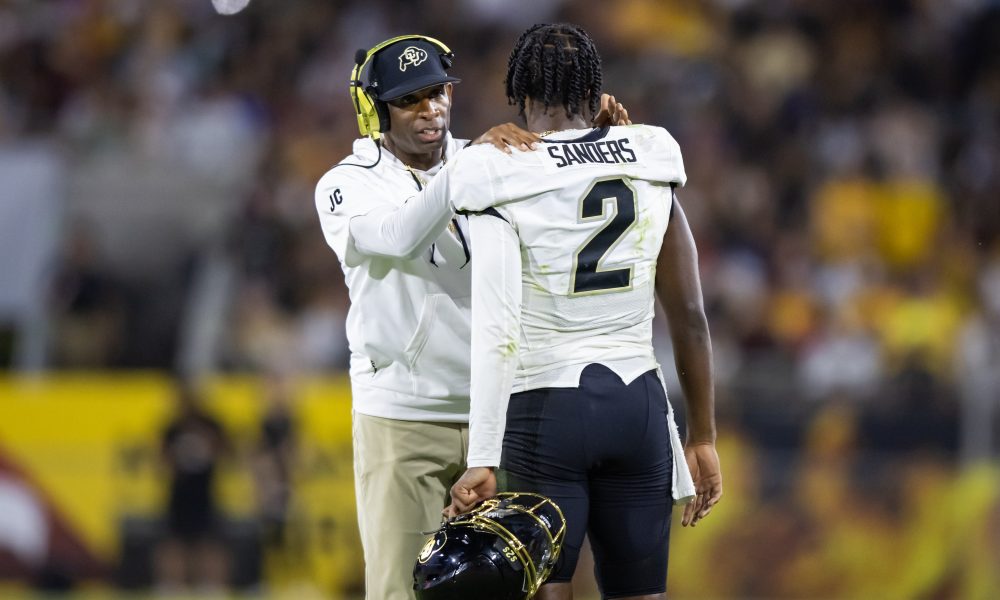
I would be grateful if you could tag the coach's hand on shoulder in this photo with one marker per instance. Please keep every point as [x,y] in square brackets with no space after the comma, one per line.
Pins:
[476,484]
[508,136]
[612,112]
[703,461]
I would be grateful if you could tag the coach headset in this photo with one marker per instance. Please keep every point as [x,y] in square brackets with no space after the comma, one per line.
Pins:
[373,114]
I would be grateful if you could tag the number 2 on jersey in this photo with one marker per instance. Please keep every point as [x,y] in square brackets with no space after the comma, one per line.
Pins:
[588,276]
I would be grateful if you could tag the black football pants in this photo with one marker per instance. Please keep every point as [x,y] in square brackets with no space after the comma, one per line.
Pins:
[602,452]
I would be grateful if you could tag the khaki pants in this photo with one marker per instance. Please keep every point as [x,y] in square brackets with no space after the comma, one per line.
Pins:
[403,471]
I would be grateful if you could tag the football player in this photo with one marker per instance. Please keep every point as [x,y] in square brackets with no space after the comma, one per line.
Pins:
[572,241]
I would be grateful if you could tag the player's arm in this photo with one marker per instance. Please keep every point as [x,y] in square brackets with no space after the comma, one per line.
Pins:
[678,287]
[496,334]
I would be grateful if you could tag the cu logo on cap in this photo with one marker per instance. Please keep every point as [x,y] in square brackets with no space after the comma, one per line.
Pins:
[412,56]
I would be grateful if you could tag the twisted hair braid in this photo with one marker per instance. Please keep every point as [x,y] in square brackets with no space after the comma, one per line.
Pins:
[557,65]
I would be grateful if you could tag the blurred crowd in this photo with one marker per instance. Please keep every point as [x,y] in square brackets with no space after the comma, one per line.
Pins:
[843,163]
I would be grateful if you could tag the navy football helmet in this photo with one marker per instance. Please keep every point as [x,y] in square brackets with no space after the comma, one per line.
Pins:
[502,550]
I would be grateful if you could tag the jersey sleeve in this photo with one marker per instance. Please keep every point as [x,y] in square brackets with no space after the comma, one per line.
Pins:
[667,165]
[496,334]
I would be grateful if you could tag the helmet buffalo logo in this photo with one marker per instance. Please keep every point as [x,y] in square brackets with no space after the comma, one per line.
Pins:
[503,550]
[412,56]
[431,547]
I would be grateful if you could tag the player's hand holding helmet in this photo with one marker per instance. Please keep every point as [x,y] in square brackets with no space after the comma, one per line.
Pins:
[502,550]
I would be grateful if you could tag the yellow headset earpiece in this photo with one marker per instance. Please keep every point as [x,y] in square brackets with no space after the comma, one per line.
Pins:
[364,105]
[369,123]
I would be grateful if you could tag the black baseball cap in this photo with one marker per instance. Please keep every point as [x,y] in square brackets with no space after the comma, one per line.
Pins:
[405,67]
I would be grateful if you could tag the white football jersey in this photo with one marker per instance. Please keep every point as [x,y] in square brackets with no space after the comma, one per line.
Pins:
[565,240]
[590,209]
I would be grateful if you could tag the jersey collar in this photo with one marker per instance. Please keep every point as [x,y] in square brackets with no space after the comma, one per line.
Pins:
[584,135]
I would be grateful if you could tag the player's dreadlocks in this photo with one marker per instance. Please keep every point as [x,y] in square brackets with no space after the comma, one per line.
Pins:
[557,65]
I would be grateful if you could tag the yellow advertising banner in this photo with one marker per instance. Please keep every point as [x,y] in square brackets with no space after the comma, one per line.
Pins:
[89,445]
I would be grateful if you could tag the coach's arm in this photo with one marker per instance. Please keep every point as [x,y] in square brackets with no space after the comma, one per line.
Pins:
[406,231]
